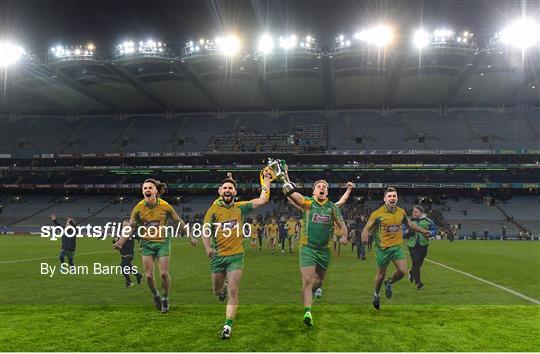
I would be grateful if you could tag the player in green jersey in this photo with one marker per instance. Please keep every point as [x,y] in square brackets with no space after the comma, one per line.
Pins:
[317,292]
[319,216]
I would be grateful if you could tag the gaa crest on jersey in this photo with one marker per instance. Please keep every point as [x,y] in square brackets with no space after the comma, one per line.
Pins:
[393,228]
[320,218]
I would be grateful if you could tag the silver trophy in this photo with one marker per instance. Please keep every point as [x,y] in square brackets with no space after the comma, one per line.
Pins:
[280,169]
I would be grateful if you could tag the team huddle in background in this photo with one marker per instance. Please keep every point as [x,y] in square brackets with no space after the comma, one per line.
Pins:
[320,229]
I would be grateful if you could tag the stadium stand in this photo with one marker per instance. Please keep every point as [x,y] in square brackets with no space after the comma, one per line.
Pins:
[289,132]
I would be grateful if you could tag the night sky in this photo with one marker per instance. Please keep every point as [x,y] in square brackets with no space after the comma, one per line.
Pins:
[38,25]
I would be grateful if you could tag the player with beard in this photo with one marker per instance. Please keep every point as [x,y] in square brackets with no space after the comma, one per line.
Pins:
[387,223]
[148,218]
[319,215]
[223,231]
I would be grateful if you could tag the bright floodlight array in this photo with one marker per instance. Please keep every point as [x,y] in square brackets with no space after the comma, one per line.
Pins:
[142,48]
[228,45]
[522,34]
[266,44]
[341,42]
[442,37]
[378,36]
[73,52]
[287,44]
[9,54]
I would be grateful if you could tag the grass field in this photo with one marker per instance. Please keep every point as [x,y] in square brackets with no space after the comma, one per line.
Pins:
[96,313]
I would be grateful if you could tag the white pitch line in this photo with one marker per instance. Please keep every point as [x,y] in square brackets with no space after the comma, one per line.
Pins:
[37,259]
[534,301]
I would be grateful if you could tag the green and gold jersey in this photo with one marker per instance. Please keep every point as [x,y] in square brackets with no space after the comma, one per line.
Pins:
[386,226]
[318,222]
[227,237]
[149,219]
[291,227]
[272,230]
[255,230]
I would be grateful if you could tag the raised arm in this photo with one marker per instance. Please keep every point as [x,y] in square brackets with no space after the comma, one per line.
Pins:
[296,197]
[264,197]
[55,220]
[345,195]
[291,202]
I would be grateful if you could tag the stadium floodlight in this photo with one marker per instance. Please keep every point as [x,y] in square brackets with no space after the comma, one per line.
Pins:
[379,36]
[73,52]
[288,42]
[442,35]
[228,45]
[192,47]
[129,47]
[464,37]
[341,42]
[266,44]
[523,33]
[143,47]
[151,47]
[421,39]
[9,53]
[308,43]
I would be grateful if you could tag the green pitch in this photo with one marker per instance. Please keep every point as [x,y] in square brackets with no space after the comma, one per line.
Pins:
[96,313]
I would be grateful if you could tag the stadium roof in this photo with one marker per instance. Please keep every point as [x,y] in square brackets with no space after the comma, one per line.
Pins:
[354,78]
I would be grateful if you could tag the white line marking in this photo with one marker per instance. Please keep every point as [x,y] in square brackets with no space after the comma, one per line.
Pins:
[530,299]
[37,259]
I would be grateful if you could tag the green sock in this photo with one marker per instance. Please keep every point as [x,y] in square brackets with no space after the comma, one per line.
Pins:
[307,309]
[154,291]
[165,296]
[229,322]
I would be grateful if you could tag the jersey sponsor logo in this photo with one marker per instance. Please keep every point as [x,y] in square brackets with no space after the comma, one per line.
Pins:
[229,224]
[393,228]
[321,218]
